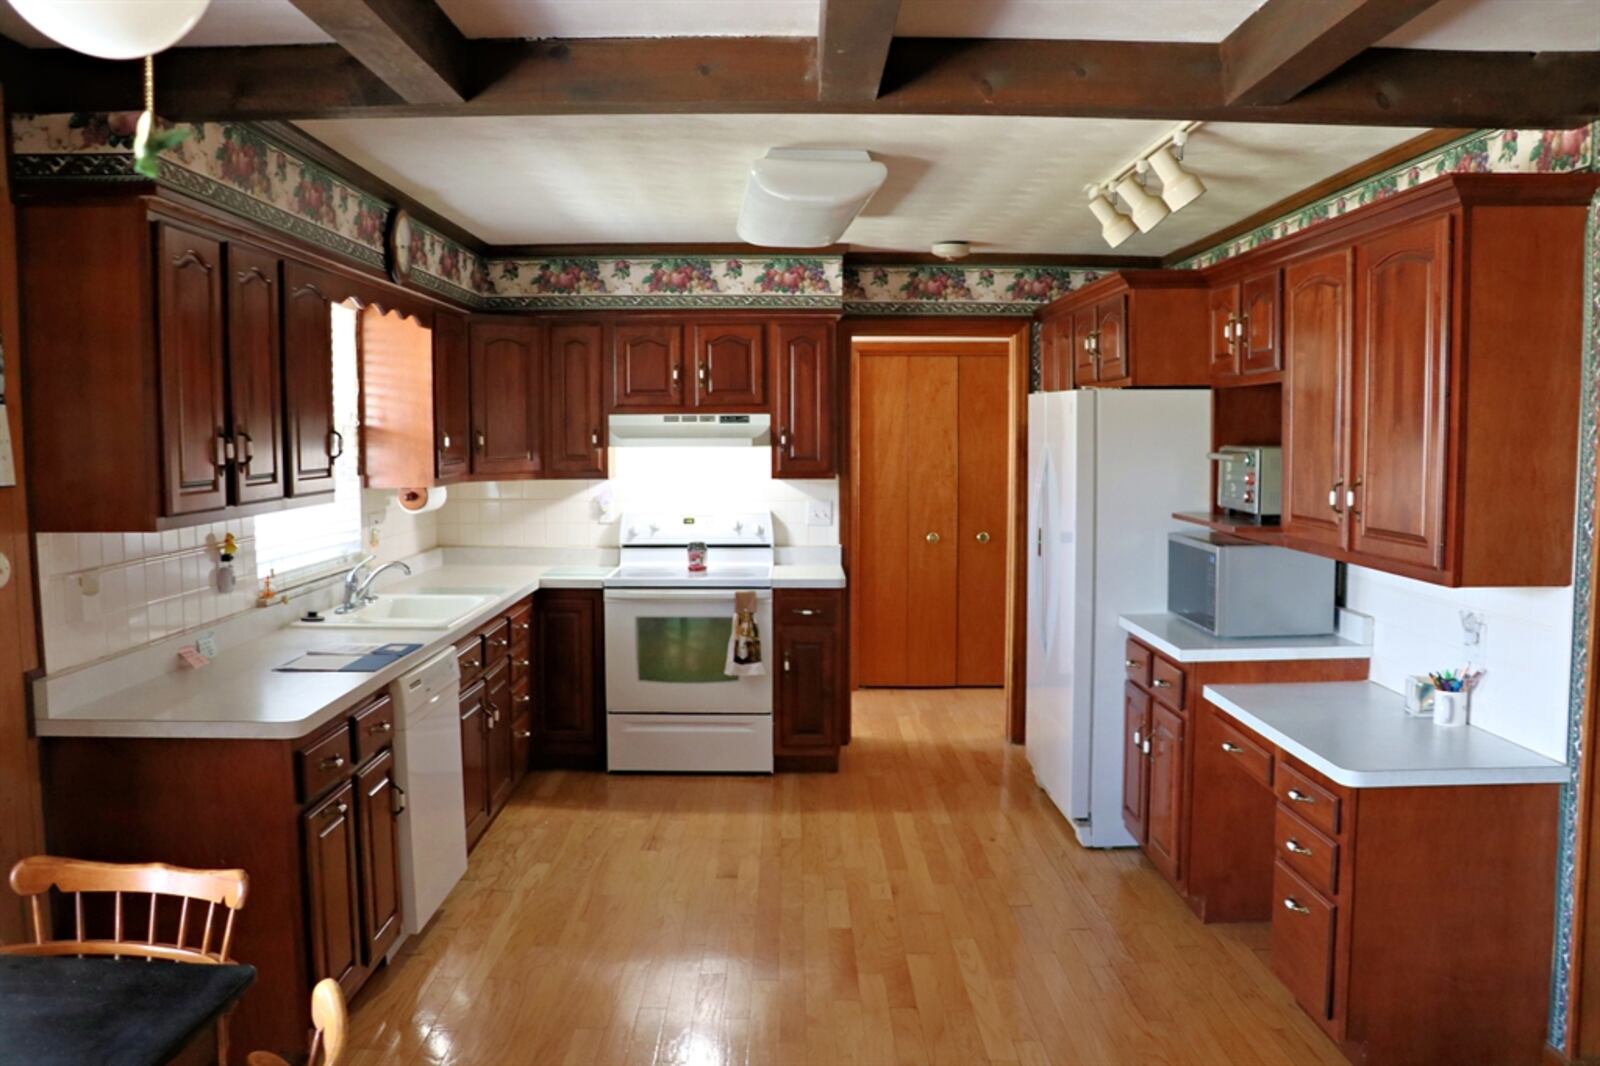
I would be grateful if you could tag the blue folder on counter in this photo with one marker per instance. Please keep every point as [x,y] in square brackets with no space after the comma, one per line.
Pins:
[348,659]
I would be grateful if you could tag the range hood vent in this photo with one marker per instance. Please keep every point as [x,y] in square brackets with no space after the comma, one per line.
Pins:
[691,431]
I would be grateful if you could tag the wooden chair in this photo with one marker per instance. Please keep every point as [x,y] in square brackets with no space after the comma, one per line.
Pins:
[132,887]
[331,1019]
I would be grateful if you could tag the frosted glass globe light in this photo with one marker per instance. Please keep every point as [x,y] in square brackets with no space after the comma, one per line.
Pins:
[113,29]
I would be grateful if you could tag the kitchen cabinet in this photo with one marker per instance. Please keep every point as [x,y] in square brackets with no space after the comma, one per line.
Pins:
[1139,328]
[498,748]
[647,364]
[730,365]
[452,396]
[811,691]
[255,373]
[496,714]
[575,414]
[506,379]
[1245,329]
[1222,311]
[1135,748]
[803,419]
[315,820]
[193,371]
[313,439]
[1317,327]
[475,715]
[568,685]
[1056,355]
[1164,839]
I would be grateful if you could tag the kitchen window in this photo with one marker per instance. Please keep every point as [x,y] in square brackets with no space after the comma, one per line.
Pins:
[305,540]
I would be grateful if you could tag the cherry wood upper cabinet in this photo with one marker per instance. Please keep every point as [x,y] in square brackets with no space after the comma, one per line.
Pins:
[730,365]
[1259,345]
[193,373]
[647,364]
[1223,311]
[1141,328]
[506,376]
[452,396]
[803,403]
[1317,337]
[255,374]
[313,441]
[1399,418]
[575,414]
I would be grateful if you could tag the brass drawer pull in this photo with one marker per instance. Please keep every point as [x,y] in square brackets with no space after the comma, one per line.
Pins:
[340,809]
[381,727]
[524,734]
[1300,797]
[335,763]
[1158,683]
[1294,847]
[1232,749]
[1292,904]
[1130,663]
[501,643]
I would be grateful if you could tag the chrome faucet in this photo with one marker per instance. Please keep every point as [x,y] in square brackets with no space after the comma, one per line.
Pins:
[356,594]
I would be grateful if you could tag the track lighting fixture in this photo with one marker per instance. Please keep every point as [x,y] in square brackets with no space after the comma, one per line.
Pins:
[1115,227]
[1178,189]
[1147,210]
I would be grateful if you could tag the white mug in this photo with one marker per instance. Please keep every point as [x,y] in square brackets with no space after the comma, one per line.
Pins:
[1450,708]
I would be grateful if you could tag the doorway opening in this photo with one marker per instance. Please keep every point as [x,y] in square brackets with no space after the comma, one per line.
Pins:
[933,501]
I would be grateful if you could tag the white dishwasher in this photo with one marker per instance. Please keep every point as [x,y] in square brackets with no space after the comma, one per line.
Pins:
[427,749]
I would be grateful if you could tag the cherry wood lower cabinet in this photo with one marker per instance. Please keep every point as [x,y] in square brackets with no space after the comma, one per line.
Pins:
[1413,924]
[810,692]
[1164,750]
[312,820]
[495,715]
[569,704]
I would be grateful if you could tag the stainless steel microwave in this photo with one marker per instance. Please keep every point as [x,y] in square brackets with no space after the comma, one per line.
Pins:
[1239,588]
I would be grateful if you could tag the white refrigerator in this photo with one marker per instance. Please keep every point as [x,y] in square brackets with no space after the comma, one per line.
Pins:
[1106,470]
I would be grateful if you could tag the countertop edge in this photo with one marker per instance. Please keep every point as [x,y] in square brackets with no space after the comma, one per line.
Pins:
[1245,653]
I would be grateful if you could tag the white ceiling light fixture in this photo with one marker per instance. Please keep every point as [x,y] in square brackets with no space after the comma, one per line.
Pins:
[951,249]
[1115,227]
[1147,210]
[113,29]
[806,197]
[1179,188]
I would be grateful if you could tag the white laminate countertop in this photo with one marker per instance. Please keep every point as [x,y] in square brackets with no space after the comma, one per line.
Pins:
[1185,642]
[240,696]
[1358,734]
[808,577]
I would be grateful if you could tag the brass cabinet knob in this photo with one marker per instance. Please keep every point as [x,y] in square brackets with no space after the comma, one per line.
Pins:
[933,538]
[983,538]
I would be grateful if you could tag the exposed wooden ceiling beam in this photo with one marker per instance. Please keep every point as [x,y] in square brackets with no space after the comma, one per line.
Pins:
[852,47]
[410,45]
[1286,46]
[1100,79]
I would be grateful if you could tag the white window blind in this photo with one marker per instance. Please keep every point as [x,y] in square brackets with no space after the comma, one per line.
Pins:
[307,539]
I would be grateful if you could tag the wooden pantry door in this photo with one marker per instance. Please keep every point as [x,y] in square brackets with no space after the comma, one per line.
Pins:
[932,481]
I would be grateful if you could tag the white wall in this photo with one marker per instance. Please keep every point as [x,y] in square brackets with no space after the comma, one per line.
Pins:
[566,514]
[1526,653]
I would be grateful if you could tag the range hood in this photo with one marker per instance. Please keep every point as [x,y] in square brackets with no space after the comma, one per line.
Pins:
[691,431]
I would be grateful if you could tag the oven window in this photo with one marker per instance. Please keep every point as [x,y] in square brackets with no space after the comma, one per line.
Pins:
[684,651]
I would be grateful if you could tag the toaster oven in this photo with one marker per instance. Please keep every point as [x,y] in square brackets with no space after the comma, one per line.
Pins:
[1250,479]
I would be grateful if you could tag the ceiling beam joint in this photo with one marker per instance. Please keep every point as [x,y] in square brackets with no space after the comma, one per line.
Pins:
[411,45]
[853,39]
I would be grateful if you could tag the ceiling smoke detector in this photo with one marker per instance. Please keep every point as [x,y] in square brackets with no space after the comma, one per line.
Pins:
[951,249]
[806,197]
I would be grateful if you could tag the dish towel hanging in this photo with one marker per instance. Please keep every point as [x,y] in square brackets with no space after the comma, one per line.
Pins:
[744,643]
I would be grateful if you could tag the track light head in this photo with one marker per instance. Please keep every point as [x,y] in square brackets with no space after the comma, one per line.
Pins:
[1147,210]
[1115,227]
[1179,187]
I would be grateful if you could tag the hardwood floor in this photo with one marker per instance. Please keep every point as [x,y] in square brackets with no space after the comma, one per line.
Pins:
[924,905]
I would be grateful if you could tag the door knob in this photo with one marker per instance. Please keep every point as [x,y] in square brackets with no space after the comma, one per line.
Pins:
[933,538]
[983,538]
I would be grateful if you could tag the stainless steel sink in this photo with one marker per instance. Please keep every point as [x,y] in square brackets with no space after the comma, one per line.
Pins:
[415,610]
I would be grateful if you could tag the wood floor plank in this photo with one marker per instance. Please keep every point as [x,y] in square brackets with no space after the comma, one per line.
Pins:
[925,905]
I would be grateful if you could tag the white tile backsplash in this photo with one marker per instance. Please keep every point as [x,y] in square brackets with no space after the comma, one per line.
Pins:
[1526,652]
[573,514]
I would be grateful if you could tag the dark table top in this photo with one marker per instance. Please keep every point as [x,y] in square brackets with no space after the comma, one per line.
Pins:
[108,1012]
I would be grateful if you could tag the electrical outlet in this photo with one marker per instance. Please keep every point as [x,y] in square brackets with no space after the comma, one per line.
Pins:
[819,513]
[1474,634]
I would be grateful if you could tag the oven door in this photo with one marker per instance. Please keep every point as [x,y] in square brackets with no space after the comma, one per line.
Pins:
[666,650]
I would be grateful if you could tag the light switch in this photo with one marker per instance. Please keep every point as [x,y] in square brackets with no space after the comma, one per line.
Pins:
[819,513]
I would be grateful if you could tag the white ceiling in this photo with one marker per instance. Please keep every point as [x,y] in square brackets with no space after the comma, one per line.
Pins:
[1006,184]
[1512,25]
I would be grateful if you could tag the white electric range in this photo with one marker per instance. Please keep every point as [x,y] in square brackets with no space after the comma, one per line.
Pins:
[670,705]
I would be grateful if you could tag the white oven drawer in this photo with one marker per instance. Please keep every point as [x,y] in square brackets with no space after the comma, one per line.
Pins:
[689,743]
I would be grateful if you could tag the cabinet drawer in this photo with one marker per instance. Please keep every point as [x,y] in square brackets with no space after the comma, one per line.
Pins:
[521,743]
[1243,749]
[469,657]
[1166,682]
[1136,659]
[803,608]
[1309,800]
[374,728]
[521,622]
[324,762]
[521,664]
[496,641]
[521,698]
[1306,851]
[1302,941]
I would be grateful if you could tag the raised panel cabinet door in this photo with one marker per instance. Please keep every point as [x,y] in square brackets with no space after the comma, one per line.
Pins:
[500,749]
[1304,926]
[1085,367]
[803,411]
[1111,338]
[332,886]
[982,530]
[568,708]
[1316,338]
[1056,373]
[475,759]
[193,404]
[647,364]
[506,401]
[378,803]
[452,396]
[1399,416]
[313,441]
[807,705]
[576,416]
[1135,777]
[1260,346]
[1164,816]
[255,374]
[1224,318]
[730,365]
